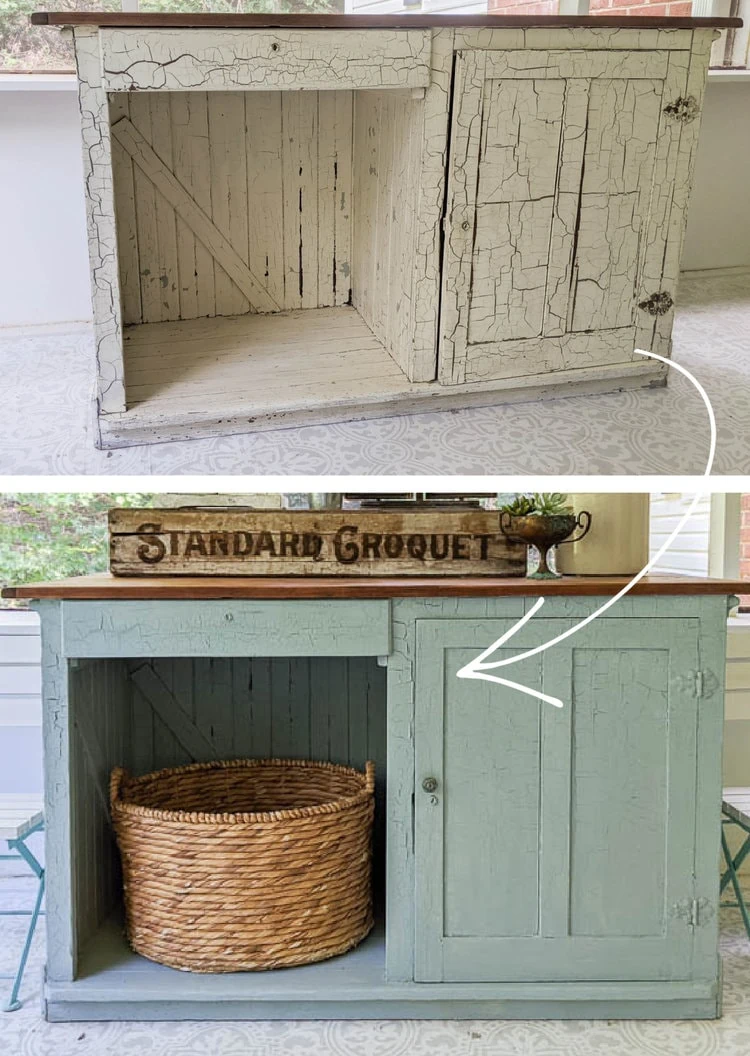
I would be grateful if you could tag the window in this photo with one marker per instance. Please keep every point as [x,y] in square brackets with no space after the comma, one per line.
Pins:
[40,49]
[29,49]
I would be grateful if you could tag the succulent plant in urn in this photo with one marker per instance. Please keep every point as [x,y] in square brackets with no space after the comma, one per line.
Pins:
[542,520]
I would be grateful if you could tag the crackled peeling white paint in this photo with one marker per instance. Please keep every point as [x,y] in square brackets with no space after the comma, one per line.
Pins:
[578,178]
[314,59]
[567,193]
[100,221]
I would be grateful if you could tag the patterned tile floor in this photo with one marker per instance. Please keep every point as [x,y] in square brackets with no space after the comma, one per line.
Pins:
[24,1033]
[47,421]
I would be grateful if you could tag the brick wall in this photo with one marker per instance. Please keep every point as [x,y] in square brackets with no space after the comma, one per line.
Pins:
[639,7]
[522,7]
[597,7]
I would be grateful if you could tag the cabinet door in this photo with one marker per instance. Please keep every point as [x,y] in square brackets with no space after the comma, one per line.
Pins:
[561,179]
[558,842]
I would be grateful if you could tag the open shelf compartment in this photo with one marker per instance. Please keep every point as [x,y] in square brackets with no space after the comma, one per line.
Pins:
[151,713]
[266,245]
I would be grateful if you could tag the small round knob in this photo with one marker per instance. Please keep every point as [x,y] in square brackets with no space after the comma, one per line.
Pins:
[228,617]
[430,784]
[466,225]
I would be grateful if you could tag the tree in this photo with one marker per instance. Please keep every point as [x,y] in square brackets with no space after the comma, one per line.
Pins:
[50,536]
[27,47]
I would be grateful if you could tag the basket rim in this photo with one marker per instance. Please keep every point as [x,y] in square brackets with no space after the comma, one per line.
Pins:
[121,781]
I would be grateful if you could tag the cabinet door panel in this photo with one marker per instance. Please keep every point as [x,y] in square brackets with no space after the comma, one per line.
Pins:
[499,792]
[510,262]
[521,129]
[621,140]
[612,727]
[560,164]
[560,841]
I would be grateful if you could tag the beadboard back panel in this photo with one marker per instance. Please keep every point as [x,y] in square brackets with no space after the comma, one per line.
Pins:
[151,714]
[271,171]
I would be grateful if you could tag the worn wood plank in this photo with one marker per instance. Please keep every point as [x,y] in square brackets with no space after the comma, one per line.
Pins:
[312,60]
[100,222]
[123,183]
[392,21]
[190,736]
[149,263]
[149,162]
[102,586]
[234,628]
[228,182]
[363,542]
[168,274]
[265,222]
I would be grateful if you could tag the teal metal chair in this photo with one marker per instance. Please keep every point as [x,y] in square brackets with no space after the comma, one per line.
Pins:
[21,817]
[735,808]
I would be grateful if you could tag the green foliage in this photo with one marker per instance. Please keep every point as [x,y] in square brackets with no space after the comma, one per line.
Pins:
[50,536]
[546,504]
[27,47]
[521,506]
[551,503]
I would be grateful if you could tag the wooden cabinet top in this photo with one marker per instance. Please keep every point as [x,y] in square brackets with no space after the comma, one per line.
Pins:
[104,586]
[187,20]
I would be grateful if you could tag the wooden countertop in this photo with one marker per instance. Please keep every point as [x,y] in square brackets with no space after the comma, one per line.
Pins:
[185,588]
[186,20]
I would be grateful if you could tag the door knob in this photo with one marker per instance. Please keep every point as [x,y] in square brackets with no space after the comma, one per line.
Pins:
[430,784]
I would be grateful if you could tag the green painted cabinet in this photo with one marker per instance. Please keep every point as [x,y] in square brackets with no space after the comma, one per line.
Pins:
[531,861]
[558,843]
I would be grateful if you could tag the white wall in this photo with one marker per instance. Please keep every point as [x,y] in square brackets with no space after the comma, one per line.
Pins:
[689,554]
[718,231]
[20,702]
[43,265]
[44,271]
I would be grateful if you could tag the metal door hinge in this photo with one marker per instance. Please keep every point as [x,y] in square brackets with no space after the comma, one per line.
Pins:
[685,109]
[657,304]
[694,911]
[698,684]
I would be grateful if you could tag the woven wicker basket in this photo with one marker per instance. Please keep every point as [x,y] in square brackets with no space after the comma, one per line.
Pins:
[245,865]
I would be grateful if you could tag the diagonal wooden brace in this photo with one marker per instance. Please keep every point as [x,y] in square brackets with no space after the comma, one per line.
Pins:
[204,229]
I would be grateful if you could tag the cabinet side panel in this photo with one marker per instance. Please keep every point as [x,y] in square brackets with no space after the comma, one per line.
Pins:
[712,646]
[61,951]
[100,739]
[388,150]
[100,220]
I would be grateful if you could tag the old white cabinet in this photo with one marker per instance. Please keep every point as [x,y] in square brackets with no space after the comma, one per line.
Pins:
[325,218]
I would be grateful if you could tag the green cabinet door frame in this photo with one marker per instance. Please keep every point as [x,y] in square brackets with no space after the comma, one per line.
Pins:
[558,843]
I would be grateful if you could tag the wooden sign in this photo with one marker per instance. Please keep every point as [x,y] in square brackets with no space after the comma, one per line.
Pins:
[232,542]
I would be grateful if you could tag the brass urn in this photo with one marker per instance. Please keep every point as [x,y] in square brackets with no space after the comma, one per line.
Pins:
[544,530]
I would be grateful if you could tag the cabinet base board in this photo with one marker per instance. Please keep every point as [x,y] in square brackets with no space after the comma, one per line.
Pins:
[123,1010]
[116,984]
[243,374]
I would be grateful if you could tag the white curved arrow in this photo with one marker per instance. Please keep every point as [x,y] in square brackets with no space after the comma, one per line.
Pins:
[480,666]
